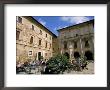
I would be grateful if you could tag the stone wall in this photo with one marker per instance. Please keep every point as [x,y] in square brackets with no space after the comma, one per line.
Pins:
[82,33]
[24,45]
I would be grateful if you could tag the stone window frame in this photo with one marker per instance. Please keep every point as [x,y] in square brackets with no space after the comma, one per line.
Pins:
[40,32]
[40,42]
[17,36]
[65,45]
[50,45]
[31,40]
[76,35]
[46,35]
[75,44]
[45,54]
[46,44]
[87,45]
[30,53]
[33,27]
[19,19]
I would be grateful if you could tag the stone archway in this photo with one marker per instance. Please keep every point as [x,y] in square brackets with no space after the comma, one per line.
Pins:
[67,55]
[76,54]
[89,55]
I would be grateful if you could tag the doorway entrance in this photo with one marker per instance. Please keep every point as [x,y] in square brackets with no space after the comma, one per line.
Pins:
[39,55]
[76,54]
[89,55]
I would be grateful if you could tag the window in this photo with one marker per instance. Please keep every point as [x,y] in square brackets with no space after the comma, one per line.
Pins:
[50,45]
[32,27]
[31,40]
[40,32]
[40,42]
[46,35]
[64,36]
[86,43]
[19,19]
[30,52]
[50,37]
[65,45]
[17,35]
[45,54]
[76,35]
[46,45]
[75,45]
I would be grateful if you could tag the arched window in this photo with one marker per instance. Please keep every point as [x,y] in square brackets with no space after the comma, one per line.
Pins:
[75,44]
[50,45]
[17,35]
[32,27]
[46,35]
[46,44]
[65,45]
[31,40]
[19,20]
[39,41]
[86,43]
[76,35]
[41,32]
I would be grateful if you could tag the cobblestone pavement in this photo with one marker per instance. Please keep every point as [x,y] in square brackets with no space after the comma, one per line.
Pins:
[90,70]
[33,71]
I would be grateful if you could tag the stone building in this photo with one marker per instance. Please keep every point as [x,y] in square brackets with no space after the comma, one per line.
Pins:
[77,40]
[33,40]
[55,45]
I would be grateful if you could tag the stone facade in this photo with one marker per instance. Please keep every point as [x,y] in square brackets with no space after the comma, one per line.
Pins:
[33,40]
[55,45]
[77,40]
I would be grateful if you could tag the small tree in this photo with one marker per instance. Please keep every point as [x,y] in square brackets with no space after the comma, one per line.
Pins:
[57,64]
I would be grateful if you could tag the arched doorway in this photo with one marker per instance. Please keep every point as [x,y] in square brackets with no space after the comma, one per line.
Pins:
[67,55]
[89,55]
[39,55]
[76,54]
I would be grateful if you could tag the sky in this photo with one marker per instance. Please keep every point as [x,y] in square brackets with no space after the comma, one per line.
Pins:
[53,23]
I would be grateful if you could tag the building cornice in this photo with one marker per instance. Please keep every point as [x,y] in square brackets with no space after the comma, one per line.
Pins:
[34,21]
[77,25]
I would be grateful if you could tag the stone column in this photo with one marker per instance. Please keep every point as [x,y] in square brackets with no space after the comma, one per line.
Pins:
[60,50]
[82,53]
[73,50]
[70,49]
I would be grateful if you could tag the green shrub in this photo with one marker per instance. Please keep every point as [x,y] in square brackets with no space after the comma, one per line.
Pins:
[58,64]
